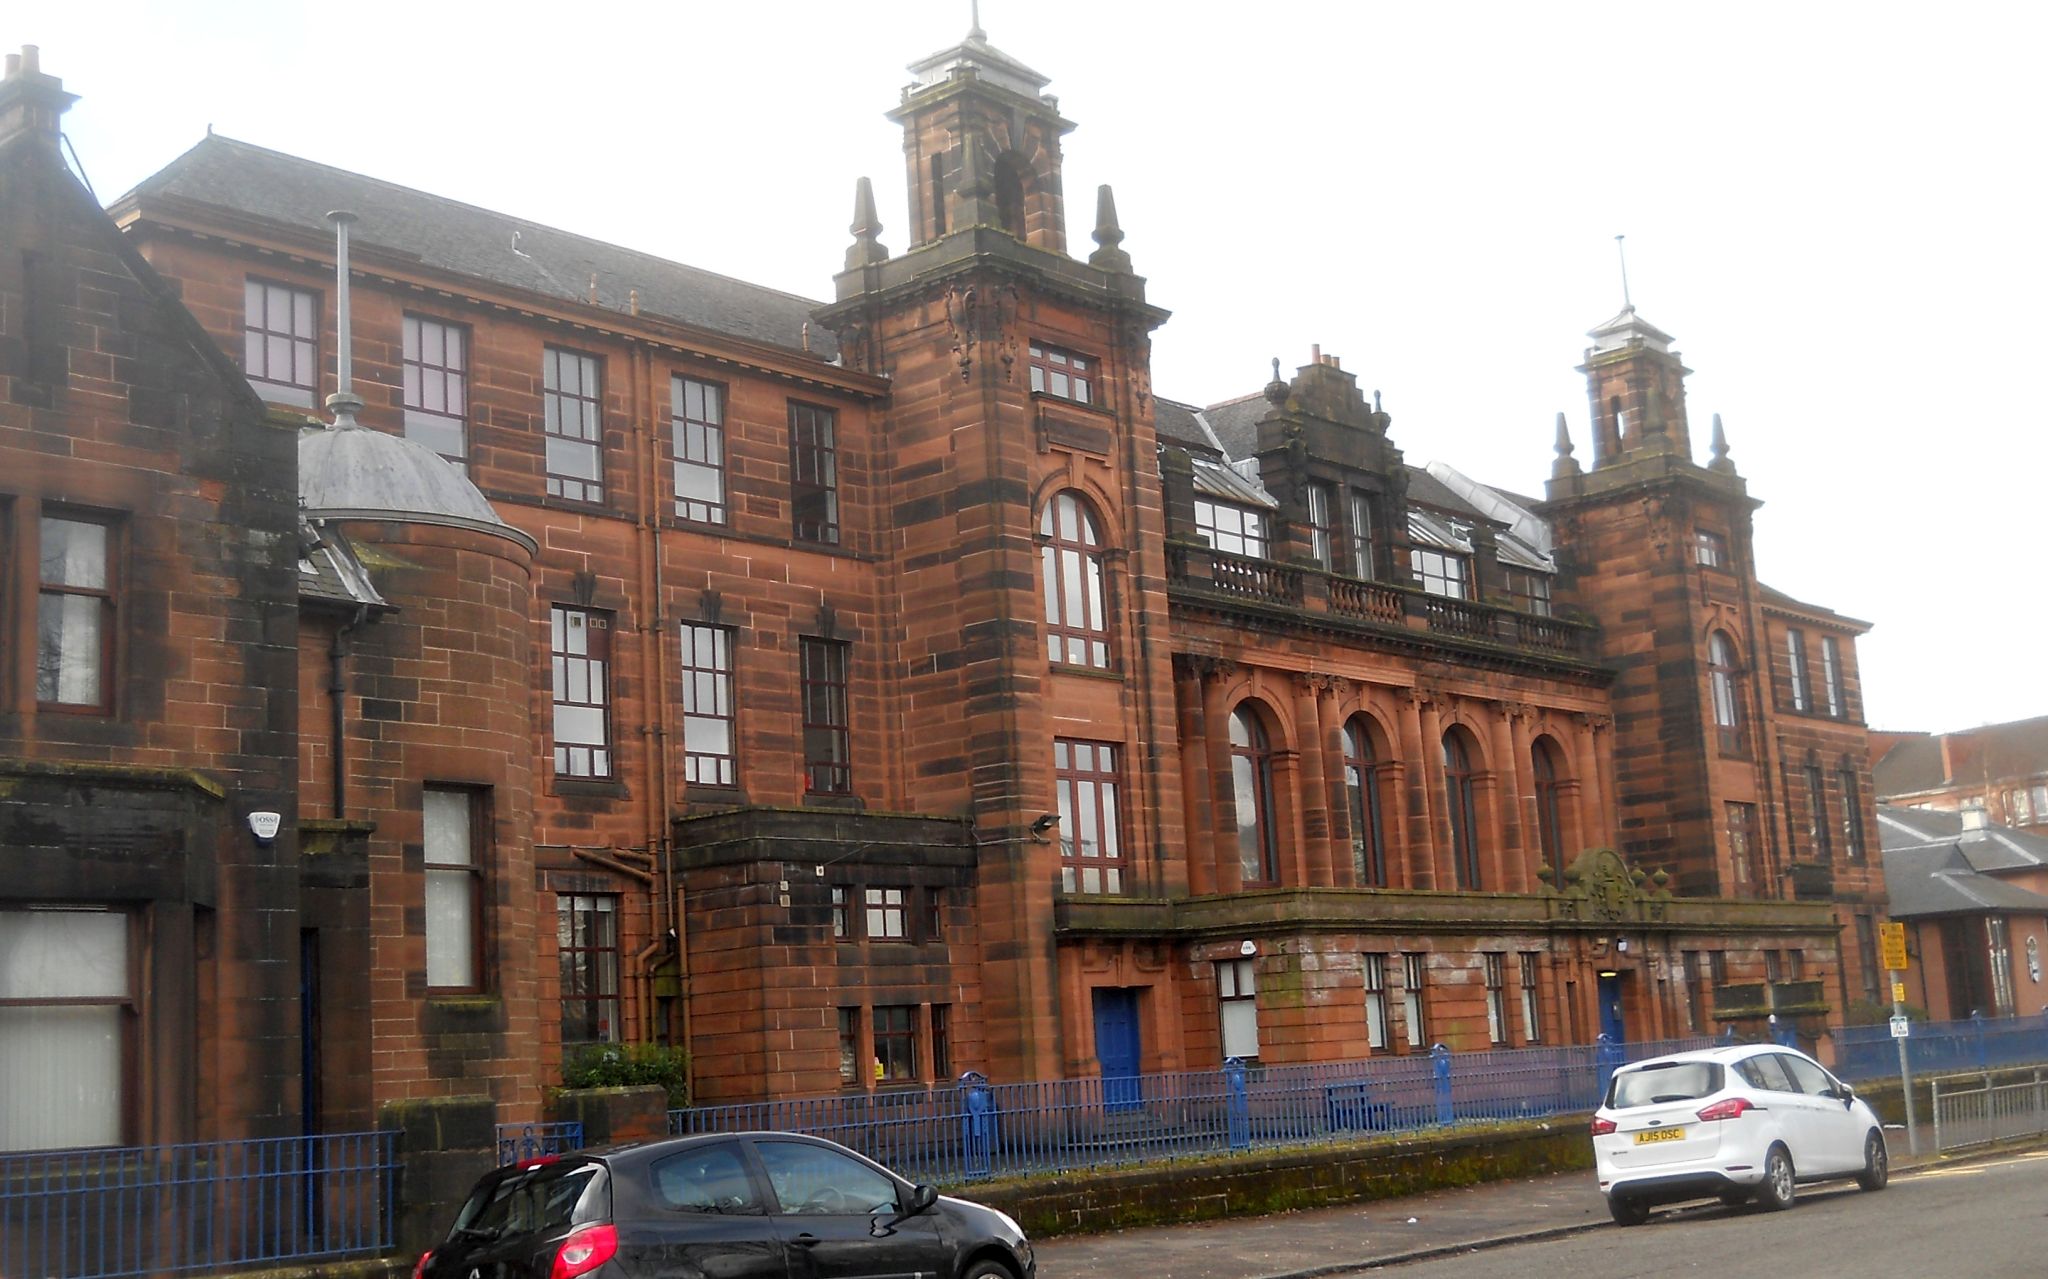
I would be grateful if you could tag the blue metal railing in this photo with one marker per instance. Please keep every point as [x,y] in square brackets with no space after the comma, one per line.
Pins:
[520,1142]
[93,1214]
[974,1128]
[1934,1047]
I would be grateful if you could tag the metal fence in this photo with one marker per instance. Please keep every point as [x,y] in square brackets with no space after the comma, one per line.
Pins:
[520,1142]
[1942,1047]
[1979,1113]
[975,1129]
[88,1214]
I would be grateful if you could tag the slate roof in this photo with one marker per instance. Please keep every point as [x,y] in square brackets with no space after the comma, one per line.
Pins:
[1995,752]
[1773,596]
[1236,423]
[1934,866]
[1181,423]
[497,247]
[329,570]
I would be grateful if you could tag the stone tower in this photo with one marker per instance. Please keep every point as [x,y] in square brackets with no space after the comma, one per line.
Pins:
[1020,383]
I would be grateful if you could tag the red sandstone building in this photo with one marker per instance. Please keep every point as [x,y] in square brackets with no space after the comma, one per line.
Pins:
[856,694]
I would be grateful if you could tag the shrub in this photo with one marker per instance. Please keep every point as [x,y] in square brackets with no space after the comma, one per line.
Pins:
[630,1065]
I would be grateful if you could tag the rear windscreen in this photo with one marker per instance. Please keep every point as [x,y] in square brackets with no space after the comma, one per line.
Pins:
[1665,1081]
[539,1200]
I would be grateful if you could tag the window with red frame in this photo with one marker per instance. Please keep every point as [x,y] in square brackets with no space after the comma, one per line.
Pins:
[572,418]
[436,373]
[895,1044]
[710,739]
[1364,770]
[281,341]
[582,690]
[828,766]
[1070,564]
[814,474]
[1091,845]
[1461,790]
[1251,775]
[1062,373]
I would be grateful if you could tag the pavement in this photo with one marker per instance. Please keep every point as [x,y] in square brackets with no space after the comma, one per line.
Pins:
[1353,1237]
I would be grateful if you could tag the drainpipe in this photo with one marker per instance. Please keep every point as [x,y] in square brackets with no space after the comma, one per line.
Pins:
[337,691]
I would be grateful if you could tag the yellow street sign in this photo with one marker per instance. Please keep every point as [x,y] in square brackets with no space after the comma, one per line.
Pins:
[1898,992]
[1892,941]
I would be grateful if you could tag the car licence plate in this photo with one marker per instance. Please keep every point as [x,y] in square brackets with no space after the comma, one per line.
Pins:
[1648,1135]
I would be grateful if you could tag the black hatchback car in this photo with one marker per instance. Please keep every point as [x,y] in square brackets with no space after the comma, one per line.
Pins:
[757,1205]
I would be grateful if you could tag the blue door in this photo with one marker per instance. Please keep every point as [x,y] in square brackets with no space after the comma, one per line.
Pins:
[1611,1024]
[1117,1046]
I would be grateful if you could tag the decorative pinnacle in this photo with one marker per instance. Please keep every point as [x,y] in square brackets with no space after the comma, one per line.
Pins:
[1566,464]
[974,31]
[1622,249]
[867,249]
[344,404]
[1276,390]
[1720,461]
[1108,234]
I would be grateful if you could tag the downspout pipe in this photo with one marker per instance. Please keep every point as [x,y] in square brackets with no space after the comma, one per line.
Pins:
[337,691]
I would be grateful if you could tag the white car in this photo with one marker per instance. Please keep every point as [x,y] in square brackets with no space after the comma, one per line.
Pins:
[1738,1123]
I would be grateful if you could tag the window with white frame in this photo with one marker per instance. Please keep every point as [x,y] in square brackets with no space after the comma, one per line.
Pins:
[65,1002]
[1230,528]
[1496,999]
[75,614]
[1831,676]
[1795,660]
[1062,374]
[710,744]
[1374,969]
[887,913]
[1237,1000]
[454,889]
[1532,1014]
[1441,573]
[1322,532]
[1414,1003]
[1361,537]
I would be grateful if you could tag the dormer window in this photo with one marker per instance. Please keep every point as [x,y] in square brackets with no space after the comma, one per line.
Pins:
[1528,590]
[1230,528]
[1443,574]
[1062,374]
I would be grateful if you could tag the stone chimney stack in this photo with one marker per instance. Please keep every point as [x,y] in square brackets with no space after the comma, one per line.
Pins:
[31,102]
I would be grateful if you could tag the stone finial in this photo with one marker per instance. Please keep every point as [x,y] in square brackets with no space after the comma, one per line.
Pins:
[974,201]
[1381,419]
[1566,464]
[1276,390]
[1720,460]
[1108,234]
[867,247]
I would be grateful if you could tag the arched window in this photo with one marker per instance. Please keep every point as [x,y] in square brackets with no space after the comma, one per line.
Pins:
[1251,776]
[1725,674]
[1548,763]
[1461,787]
[1070,564]
[1363,770]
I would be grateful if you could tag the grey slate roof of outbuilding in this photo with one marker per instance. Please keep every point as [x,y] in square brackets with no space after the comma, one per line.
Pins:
[329,570]
[1934,866]
[1236,423]
[453,236]
[1181,423]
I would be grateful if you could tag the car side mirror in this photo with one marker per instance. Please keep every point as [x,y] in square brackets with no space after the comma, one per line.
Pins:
[922,1197]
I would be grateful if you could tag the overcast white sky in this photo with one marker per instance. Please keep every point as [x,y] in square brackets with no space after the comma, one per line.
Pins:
[1835,208]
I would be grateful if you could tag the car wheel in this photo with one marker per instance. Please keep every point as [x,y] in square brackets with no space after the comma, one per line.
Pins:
[1877,1164]
[1626,1211]
[988,1270]
[1775,1190]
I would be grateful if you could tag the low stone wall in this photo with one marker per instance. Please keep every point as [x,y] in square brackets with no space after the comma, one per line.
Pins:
[1249,1185]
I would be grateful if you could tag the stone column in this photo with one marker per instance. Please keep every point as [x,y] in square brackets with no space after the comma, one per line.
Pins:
[1198,806]
[1222,815]
[1430,781]
[1509,873]
[1416,869]
[1312,790]
[1344,873]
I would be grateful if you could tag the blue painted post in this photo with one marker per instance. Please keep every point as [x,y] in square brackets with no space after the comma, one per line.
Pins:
[977,1125]
[1782,1033]
[1238,1104]
[1977,1031]
[1440,1072]
[1607,1054]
